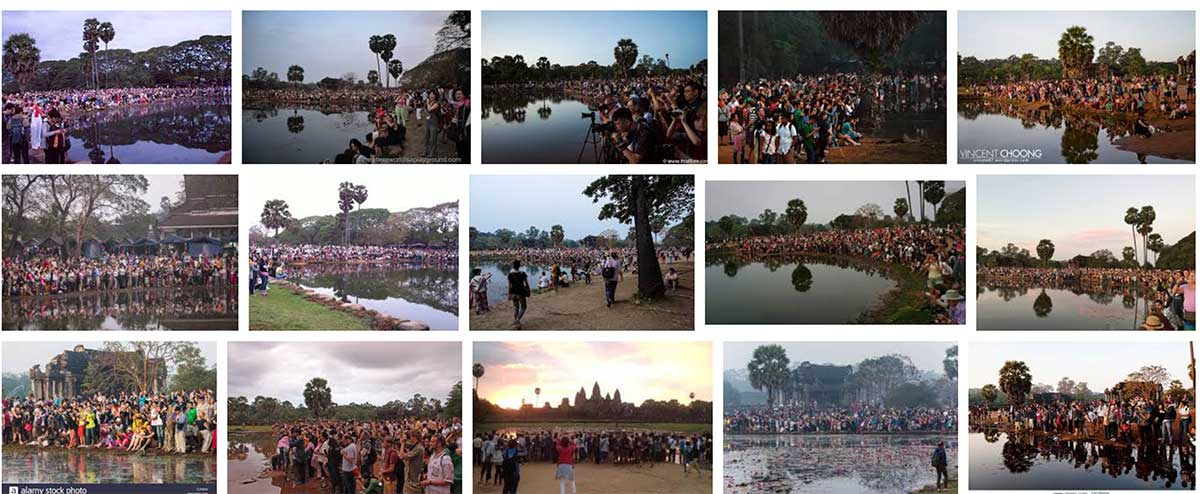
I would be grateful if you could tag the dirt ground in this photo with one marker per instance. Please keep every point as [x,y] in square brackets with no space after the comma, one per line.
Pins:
[581,307]
[872,151]
[538,478]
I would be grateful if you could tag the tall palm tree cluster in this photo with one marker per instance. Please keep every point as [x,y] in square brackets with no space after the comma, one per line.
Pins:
[94,34]
[382,46]
[1141,223]
[349,194]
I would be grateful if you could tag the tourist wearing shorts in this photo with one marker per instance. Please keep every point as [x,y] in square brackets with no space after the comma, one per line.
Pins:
[566,464]
[518,292]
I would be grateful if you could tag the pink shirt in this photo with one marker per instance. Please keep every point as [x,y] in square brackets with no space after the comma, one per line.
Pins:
[1189,298]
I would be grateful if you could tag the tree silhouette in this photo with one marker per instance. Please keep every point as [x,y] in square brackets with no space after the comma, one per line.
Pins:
[317,396]
[275,215]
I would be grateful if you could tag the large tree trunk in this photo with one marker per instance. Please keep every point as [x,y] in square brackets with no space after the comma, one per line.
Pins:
[908,194]
[650,280]
[741,48]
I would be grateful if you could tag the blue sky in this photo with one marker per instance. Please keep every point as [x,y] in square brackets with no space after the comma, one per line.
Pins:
[517,202]
[571,38]
[58,33]
[825,199]
[329,44]
[1080,214]
[1099,364]
[1162,35]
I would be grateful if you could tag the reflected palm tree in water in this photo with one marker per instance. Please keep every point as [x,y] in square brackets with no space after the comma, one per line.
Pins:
[1042,305]
[1079,145]
[544,111]
[802,278]
[1018,456]
[731,268]
[295,123]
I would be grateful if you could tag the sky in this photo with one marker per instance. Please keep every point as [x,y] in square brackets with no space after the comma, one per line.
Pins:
[546,200]
[825,200]
[1025,209]
[641,370]
[572,38]
[1105,364]
[19,357]
[329,44]
[59,33]
[358,372]
[927,356]
[319,196]
[1162,35]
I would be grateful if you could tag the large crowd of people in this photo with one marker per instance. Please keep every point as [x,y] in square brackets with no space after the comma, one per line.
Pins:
[417,456]
[275,262]
[53,275]
[800,119]
[937,252]
[500,455]
[1131,420]
[171,423]
[1171,293]
[858,419]
[442,114]
[647,119]
[41,121]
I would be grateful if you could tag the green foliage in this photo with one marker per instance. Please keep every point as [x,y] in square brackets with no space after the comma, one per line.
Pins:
[262,410]
[1180,255]
[317,396]
[435,225]
[192,371]
[203,61]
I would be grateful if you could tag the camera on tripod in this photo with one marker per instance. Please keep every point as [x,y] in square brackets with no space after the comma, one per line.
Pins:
[598,127]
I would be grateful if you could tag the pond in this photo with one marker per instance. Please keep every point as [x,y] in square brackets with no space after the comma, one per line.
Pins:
[846,464]
[171,132]
[408,291]
[1002,462]
[54,466]
[191,308]
[248,455]
[775,291]
[536,130]
[1057,309]
[1047,136]
[292,135]
[499,269]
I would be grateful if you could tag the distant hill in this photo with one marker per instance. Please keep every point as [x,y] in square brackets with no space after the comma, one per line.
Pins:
[440,69]
[1180,255]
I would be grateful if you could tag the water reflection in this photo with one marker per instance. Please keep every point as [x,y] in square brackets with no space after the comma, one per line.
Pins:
[174,131]
[248,455]
[1072,306]
[188,308]
[1062,137]
[1002,461]
[791,290]
[852,464]
[499,269]
[410,291]
[29,465]
[556,135]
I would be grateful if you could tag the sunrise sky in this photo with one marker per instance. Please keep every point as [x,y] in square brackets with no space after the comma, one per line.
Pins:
[641,370]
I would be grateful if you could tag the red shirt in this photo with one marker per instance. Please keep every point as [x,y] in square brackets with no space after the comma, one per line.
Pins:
[566,456]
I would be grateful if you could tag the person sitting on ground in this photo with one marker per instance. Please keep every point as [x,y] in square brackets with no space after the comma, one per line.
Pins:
[672,279]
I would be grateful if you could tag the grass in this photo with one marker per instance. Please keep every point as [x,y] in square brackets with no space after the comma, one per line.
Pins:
[930,488]
[249,428]
[648,426]
[284,309]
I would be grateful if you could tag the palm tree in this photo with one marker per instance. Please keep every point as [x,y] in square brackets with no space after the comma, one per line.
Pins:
[1156,245]
[908,194]
[295,73]
[871,35]
[477,372]
[107,33]
[375,43]
[21,58]
[275,215]
[387,43]
[900,208]
[920,193]
[91,42]
[768,370]
[1147,216]
[1133,220]
[625,54]
[395,68]
[537,392]
[1075,51]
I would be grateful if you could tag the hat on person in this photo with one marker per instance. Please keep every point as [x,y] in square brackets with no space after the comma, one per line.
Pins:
[1152,322]
[953,294]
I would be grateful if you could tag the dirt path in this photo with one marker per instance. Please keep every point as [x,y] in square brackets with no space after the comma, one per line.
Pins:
[581,307]
[538,478]
[872,151]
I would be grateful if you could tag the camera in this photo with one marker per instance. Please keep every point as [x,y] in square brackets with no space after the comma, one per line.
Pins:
[605,127]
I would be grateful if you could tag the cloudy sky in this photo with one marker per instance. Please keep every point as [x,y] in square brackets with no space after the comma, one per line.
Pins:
[20,356]
[572,38]
[1105,363]
[927,356]
[641,370]
[1162,36]
[58,33]
[329,44]
[1025,209]
[493,207]
[359,372]
[319,194]
[825,199]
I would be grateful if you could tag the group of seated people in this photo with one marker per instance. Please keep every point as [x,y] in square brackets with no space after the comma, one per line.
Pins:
[175,422]
[855,419]
[55,275]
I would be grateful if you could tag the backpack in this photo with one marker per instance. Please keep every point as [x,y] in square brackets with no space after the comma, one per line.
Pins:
[16,130]
[608,272]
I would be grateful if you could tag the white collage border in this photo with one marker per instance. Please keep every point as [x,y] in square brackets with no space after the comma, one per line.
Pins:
[254,175]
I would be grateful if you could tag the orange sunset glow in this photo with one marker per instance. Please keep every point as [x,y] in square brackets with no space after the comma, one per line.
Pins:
[640,370]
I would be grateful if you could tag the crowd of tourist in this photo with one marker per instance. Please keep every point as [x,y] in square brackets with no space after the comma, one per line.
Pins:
[937,252]
[799,119]
[442,114]
[416,456]
[648,119]
[1171,293]
[500,455]
[267,263]
[177,422]
[1134,420]
[858,419]
[52,275]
